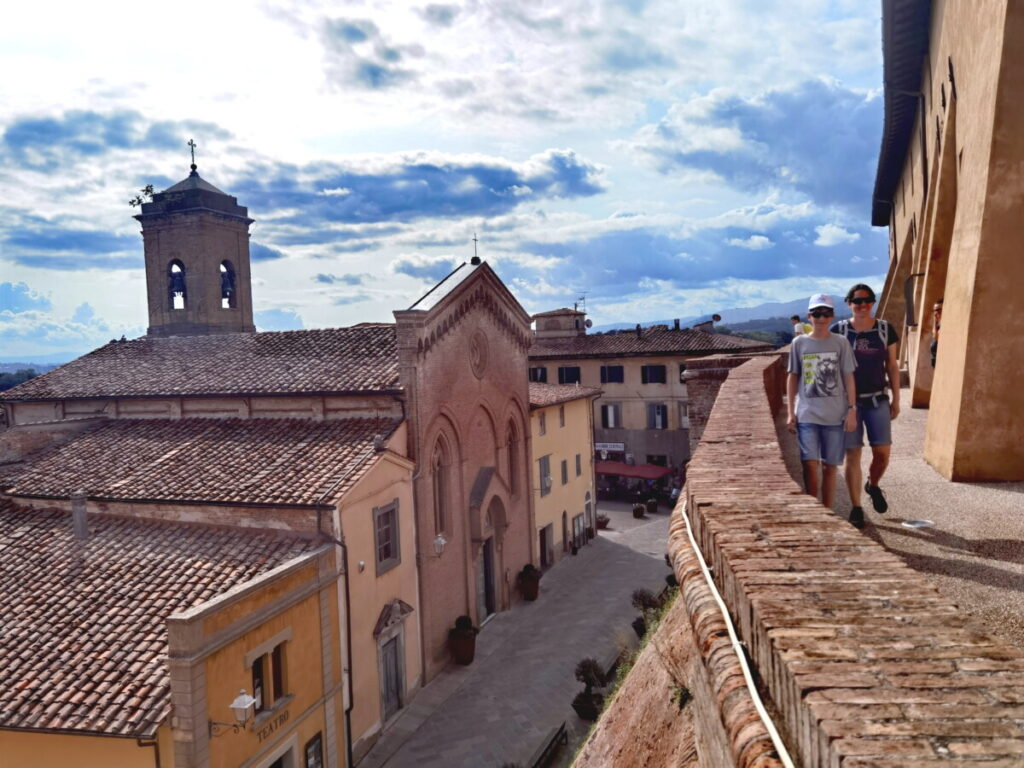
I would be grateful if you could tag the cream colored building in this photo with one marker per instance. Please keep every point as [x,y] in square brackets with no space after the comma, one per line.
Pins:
[562,451]
[640,419]
[950,188]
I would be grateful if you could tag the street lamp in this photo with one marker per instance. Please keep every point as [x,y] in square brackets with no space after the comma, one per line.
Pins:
[243,707]
[439,543]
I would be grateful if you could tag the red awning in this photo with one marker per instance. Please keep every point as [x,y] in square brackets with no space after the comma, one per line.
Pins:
[643,471]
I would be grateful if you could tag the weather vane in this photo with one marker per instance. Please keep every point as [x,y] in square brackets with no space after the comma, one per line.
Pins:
[192,146]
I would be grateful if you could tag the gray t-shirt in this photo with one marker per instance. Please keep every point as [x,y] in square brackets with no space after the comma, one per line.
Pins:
[820,365]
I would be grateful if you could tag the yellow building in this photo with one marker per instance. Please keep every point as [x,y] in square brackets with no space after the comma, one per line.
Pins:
[128,640]
[351,493]
[562,451]
[950,188]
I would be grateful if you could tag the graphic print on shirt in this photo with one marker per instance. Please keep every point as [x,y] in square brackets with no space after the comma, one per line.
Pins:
[821,374]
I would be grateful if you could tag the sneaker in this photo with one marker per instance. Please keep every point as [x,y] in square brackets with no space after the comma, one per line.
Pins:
[857,517]
[877,499]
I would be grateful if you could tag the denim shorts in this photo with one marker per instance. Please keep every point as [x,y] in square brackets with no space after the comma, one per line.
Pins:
[819,442]
[873,415]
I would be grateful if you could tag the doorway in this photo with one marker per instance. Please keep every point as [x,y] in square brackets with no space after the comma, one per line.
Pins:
[391,678]
[486,602]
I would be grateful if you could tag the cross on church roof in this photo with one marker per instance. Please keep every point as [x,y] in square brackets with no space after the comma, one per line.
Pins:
[192,146]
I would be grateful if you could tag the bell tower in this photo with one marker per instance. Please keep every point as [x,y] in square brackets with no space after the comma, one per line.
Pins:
[196,241]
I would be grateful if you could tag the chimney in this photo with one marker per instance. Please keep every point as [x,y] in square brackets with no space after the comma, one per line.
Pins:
[639,331]
[79,520]
[675,324]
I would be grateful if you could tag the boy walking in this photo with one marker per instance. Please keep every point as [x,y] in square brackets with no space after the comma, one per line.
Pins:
[821,398]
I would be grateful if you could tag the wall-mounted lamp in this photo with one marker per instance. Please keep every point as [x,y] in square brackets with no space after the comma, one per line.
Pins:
[243,707]
[439,543]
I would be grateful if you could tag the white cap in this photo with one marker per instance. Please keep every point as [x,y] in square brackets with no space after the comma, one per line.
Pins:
[820,300]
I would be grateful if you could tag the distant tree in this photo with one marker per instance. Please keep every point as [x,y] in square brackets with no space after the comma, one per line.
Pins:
[8,380]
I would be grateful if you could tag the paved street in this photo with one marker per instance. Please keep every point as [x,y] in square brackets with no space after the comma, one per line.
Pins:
[501,707]
[975,551]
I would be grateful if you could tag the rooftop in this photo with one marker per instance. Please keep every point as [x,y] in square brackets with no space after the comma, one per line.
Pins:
[656,340]
[363,358]
[85,638]
[543,395]
[226,461]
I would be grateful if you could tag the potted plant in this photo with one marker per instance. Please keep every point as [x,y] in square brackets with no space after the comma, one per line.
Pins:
[652,506]
[644,601]
[602,521]
[462,640]
[529,581]
[639,510]
[587,703]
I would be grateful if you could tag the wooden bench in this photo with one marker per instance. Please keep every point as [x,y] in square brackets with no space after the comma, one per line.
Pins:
[556,739]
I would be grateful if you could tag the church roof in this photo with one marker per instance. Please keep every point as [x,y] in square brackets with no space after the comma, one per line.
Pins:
[194,181]
[226,461]
[332,360]
[543,395]
[657,340]
[85,639]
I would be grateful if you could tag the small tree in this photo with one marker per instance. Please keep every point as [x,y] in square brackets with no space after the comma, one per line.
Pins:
[589,672]
[644,600]
[145,195]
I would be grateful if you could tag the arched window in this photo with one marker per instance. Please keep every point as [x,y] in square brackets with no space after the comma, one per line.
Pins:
[439,469]
[511,457]
[176,297]
[227,285]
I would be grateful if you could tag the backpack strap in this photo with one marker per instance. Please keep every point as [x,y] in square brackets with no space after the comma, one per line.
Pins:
[883,331]
[844,329]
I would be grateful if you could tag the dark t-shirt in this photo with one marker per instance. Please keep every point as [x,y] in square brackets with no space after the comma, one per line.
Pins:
[871,354]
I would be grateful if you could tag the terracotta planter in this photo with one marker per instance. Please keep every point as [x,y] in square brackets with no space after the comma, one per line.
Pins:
[463,646]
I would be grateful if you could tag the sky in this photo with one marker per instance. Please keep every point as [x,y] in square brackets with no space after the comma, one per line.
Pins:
[659,158]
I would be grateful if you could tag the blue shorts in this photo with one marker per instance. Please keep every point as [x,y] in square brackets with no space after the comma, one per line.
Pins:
[872,415]
[819,442]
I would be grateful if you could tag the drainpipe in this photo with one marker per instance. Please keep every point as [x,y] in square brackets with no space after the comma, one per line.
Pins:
[156,749]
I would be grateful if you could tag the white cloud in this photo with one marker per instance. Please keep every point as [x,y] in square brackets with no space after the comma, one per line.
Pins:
[753,243]
[832,234]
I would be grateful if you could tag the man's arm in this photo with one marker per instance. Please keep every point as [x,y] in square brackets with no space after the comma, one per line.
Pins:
[892,367]
[851,402]
[792,381]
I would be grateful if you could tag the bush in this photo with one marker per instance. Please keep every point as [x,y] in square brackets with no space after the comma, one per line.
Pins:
[589,672]
[644,600]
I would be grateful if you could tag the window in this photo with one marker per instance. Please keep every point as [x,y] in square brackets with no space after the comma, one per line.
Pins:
[314,752]
[561,415]
[611,416]
[269,667]
[682,370]
[385,524]
[569,374]
[439,463]
[657,459]
[579,465]
[612,374]
[539,374]
[227,285]
[544,465]
[652,374]
[565,472]
[542,422]
[176,285]
[657,416]
[684,419]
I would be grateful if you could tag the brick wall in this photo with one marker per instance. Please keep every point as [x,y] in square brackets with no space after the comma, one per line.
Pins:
[704,376]
[867,664]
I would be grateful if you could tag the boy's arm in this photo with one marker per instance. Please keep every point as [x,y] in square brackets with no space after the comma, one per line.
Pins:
[892,367]
[851,402]
[792,381]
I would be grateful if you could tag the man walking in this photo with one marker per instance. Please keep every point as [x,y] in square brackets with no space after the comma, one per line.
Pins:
[820,398]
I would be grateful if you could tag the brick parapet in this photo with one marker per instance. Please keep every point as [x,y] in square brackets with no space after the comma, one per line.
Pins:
[866,663]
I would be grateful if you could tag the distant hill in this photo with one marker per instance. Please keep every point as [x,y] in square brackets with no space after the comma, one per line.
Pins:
[14,367]
[770,317]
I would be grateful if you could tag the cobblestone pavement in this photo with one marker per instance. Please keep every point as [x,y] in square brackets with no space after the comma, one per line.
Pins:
[501,707]
[975,550]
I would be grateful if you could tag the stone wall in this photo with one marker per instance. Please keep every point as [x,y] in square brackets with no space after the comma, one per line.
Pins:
[866,663]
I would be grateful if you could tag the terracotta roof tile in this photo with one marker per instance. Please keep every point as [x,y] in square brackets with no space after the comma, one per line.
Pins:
[657,340]
[543,395]
[257,461]
[362,358]
[84,644]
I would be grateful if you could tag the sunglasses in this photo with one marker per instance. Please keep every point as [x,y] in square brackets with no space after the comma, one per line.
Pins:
[821,313]
[862,301]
